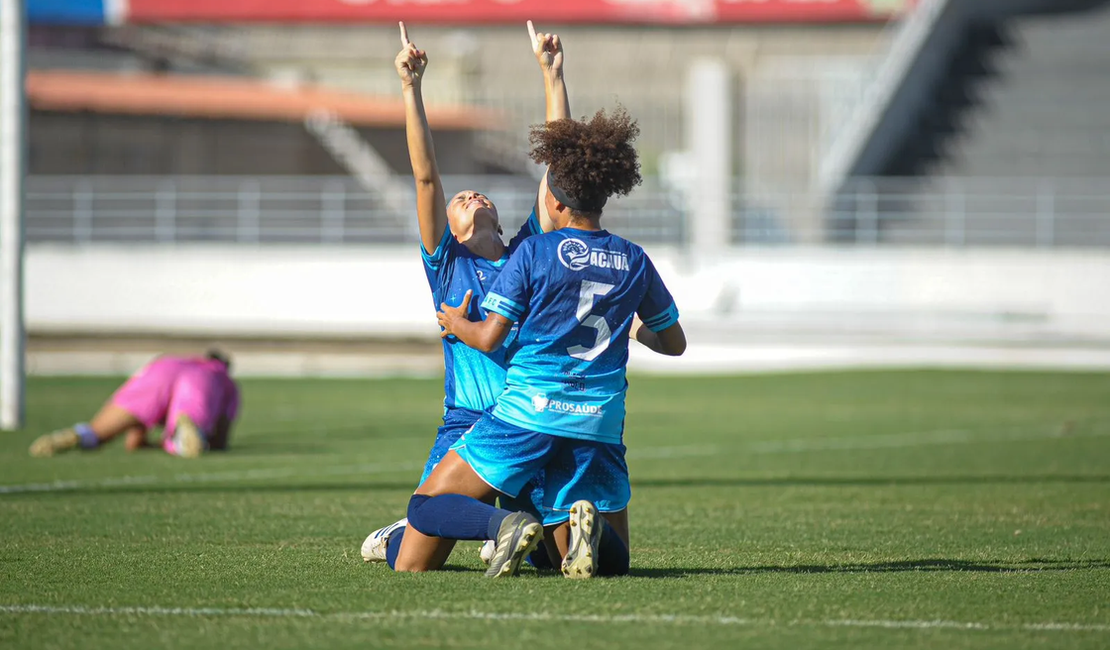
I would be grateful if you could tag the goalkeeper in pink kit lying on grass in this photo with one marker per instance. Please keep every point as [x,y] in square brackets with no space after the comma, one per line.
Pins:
[193,399]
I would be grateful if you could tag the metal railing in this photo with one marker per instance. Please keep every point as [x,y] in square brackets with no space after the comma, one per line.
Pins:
[336,210]
[277,209]
[1022,212]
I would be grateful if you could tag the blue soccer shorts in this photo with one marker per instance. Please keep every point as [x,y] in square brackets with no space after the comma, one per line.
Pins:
[507,456]
[456,422]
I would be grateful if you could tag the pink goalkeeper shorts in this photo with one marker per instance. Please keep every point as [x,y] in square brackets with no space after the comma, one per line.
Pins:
[169,387]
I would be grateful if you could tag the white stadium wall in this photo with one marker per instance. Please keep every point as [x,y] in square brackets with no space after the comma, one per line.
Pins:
[227,290]
[350,291]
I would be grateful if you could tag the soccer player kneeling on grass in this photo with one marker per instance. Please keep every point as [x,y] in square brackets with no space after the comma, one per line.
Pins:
[193,399]
[575,294]
[462,252]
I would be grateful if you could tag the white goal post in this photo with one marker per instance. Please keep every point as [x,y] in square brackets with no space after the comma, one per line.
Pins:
[13,157]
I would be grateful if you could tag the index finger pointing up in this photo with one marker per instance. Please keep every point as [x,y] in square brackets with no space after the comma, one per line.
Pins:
[531,31]
[404,35]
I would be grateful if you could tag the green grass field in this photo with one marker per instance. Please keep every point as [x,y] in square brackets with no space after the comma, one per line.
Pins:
[842,510]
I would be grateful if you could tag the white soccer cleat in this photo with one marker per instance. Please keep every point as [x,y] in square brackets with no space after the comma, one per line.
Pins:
[585,535]
[188,441]
[376,545]
[486,553]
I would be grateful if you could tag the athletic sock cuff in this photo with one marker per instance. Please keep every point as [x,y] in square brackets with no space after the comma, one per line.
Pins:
[87,436]
[495,522]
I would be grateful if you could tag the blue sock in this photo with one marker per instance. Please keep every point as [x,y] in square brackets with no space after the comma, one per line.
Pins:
[454,516]
[613,559]
[393,547]
[522,503]
[88,438]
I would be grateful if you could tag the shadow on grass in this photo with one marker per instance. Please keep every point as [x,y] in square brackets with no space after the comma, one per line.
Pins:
[925,565]
[259,448]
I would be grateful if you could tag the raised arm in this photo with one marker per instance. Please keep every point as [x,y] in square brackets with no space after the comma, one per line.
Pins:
[549,52]
[431,206]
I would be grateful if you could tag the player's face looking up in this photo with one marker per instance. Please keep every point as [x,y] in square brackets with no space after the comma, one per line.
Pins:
[471,213]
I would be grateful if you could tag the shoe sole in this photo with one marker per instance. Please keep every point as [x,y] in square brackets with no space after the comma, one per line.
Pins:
[187,438]
[525,540]
[580,562]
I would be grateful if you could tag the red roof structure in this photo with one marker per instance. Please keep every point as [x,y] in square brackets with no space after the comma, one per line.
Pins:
[209,97]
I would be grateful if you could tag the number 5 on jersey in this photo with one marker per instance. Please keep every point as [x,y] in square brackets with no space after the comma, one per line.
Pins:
[586,296]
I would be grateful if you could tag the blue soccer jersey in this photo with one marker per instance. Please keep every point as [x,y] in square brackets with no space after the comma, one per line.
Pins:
[472,379]
[573,294]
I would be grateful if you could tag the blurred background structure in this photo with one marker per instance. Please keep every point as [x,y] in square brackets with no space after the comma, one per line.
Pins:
[827,182]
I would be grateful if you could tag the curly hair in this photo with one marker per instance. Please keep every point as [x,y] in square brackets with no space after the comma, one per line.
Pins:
[589,160]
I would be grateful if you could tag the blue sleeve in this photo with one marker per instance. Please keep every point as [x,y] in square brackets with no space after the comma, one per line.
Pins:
[436,258]
[531,227]
[657,309]
[437,264]
[512,290]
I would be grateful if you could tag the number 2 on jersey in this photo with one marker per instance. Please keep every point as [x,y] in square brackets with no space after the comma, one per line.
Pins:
[589,291]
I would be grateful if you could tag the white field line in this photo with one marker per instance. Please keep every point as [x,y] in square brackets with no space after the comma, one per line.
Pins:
[664,619]
[790,446]
[213,477]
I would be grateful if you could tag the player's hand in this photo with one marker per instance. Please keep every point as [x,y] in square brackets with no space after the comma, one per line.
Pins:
[449,315]
[547,48]
[410,62]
